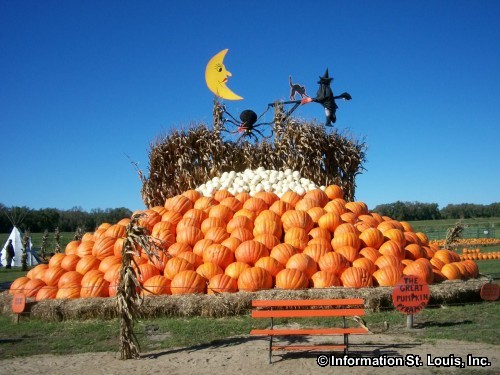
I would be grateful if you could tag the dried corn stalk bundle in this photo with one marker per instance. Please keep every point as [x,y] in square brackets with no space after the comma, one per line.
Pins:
[185,159]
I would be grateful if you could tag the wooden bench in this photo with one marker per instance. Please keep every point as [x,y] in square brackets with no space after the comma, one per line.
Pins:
[306,309]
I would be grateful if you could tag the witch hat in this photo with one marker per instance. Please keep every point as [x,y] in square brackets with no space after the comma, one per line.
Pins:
[326,77]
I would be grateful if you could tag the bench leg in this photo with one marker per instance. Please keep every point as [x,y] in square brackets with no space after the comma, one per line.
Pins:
[346,337]
[270,349]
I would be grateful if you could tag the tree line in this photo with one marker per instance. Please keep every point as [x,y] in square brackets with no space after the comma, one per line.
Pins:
[410,211]
[38,221]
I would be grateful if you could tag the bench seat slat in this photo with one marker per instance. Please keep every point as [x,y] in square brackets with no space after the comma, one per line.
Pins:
[305,332]
[306,313]
[308,347]
[310,302]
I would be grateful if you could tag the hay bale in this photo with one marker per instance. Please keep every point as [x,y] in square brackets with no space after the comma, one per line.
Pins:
[233,304]
[185,159]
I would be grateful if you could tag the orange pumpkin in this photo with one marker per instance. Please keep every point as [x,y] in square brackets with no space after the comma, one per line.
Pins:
[250,251]
[370,253]
[282,252]
[330,221]
[72,247]
[52,275]
[337,206]
[304,263]
[280,207]
[333,262]
[451,271]
[316,251]
[171,217]
[421,268]
[365,263]
[231,243]
[38,271]
[180,204]
[217,234]
[222,212]
[95,286]
[69,291]
[70,277]
[291,278]
[317,195]
[346,228]
[157,285]
[218,254]
[316,213]
[324,279]
[116,231]
[145,271]
[243,196]
[414,251]
[242,234]
[192,195]
[189,235]
[235,269]
[113,272]
[195,214]
[267,196]
[334,192]
[239,222]
[297,237]
[222,283]
[267,227]
[188,281]
[177,248]
[46,292]
[346,239]
[56,259]
[32,287]
[233,203]
[320,233]
[392,248]
[191,257]
[205,203]
[221,194]
[388,276]
[18,284]
[254,278]
[87,263]
[108,262]
[354,277]
[387,260]
[270,264]
[104,247]
[349,252]
[176,265]
[209,269]
[305,204]
[291,197]
[256,205]
[297,219]
[371,237]
[70,261]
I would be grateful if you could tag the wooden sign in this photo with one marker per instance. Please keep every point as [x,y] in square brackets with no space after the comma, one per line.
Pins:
[490,291]
[410,295]
[18,303]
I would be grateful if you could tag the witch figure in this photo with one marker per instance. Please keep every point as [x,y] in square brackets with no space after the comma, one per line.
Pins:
[325,97]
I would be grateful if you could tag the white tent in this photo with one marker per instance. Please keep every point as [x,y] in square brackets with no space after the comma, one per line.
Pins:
[16,238]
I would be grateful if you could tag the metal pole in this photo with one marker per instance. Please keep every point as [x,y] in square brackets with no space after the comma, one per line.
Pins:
[409,321]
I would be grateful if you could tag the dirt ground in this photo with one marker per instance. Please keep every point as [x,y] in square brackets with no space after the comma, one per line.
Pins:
[249,355]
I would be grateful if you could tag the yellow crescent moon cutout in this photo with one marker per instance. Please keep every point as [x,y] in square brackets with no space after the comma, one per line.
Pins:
[216,77]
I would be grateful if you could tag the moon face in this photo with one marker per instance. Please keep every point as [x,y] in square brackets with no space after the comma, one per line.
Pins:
[216,77]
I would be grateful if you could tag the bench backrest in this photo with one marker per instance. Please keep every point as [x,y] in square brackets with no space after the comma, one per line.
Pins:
[307,308]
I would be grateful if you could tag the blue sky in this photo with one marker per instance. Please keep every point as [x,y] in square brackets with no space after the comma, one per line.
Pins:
[86,86]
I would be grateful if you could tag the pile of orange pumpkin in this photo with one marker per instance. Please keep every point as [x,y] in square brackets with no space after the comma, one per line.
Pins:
[476,254]
[225,243]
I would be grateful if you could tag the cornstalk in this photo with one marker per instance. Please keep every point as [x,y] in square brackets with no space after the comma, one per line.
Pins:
[128,298]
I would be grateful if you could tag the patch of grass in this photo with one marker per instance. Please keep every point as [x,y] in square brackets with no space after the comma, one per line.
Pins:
[472,322]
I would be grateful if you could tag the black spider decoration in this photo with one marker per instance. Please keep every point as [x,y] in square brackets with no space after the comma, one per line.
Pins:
[248,125]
